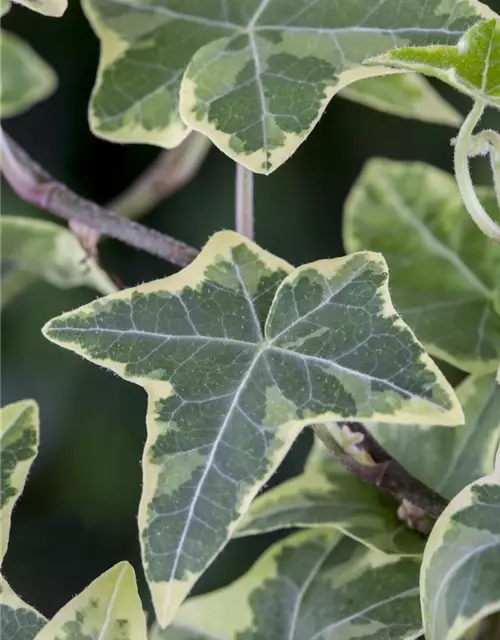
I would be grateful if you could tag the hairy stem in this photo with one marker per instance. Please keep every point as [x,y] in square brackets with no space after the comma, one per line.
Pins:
[463,177]
[34,185]
[169,173]
[244,201]
[386,474]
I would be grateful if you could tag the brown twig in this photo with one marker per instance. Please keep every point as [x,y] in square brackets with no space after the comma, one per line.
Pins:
[387,473]
[34,185]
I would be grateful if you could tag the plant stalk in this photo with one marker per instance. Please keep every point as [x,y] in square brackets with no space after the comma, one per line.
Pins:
[244,201]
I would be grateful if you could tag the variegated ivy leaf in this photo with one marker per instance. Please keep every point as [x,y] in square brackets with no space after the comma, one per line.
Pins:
[444,271]
[52,8]
[36,249]
[26,78]
[4,7]
[18,620]
[314,585]
[237,353]
[108,609]
[459,579]
[408,95]
[19,435]
[329,495]
[253,75]
[471,66]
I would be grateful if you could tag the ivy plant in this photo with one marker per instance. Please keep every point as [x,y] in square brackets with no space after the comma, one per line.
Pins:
[395,514]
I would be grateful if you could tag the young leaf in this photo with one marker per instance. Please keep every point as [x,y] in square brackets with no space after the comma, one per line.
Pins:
[471,66]
[313,585]
[459,580]
[236,357]
[449,459]
[108,609]
[253,76]
[34,249]
[408,95]
[444,271]
[19,435]
[334,497]
[26,78]
[18,620]
[52,8]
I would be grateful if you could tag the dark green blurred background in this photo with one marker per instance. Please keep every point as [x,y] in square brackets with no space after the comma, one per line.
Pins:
[77,516]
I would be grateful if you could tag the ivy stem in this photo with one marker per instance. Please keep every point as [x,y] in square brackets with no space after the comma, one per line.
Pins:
[462,173]
[244,201]
[34,185]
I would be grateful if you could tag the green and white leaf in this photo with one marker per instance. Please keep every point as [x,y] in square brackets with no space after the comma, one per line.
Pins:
[36,249]
[449,459]
[312,585]
[19,436]
[26,78]
[52,8]
[459,580]
[331,496]
[471,66]
[444,271]
[408,95]
[18,620]
[108,609]
[238,352]
[253,75]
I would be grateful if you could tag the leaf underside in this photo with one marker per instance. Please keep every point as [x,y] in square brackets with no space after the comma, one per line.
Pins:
[253,76]
[237,353]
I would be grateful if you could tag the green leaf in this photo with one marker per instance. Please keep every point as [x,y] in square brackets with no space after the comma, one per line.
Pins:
[471,66]
[313,585]
[52,8]
[326,494]
[236,357]
[18,620]
[253,75]
[19,435]
[408,95]
[108,609]
[36,249]
[449,459]
[460,580]
[444,271]
[26,78]
[4,7]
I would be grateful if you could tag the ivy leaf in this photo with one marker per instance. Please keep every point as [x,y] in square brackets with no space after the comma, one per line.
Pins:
[237,353]
[471,66]
[314,584]
[52,8]
[19,435]
[108,609]
[26,78]
[254,76]
[326,494]
[444,271]
[460,581]
[449,459]
[408,95]
[36,249]
[18,620]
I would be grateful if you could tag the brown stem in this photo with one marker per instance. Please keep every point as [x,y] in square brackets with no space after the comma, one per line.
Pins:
[34,185]
[387,473]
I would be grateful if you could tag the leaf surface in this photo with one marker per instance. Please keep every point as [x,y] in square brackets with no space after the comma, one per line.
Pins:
[460,581]
[18,620]
[254,76]
[313,585]
[19,436]
[471,66]
[444,271]
[36,249]
[26,78]
[237,353]
[108,609]
[52,8]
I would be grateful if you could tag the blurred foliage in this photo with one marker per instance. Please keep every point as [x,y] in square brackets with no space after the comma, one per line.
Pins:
[77,516]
